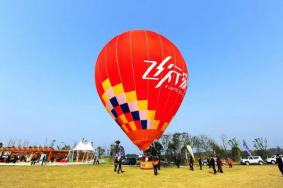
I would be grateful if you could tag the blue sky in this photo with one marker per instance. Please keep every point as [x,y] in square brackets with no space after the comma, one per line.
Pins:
[48,50]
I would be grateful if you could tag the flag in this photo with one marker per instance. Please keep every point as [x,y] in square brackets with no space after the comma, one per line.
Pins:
[186,156]
[247,148]
[190,151]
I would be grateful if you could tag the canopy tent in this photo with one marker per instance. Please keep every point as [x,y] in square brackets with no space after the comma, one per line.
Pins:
[84,148]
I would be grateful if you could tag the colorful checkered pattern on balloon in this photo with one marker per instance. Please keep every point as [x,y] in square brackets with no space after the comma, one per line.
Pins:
[131,114]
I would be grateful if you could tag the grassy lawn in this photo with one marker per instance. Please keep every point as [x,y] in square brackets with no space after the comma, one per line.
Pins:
[103,176]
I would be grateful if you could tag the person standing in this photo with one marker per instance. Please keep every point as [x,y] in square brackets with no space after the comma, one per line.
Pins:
[212,164]
[208,162]
[120,155]
[219,165]
[96,159]
[279,162]
[191,163]
[43,158]
[155,163]
[230,162]
[200,163]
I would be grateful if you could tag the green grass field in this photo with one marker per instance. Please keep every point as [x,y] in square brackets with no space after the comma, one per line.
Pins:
[103,176]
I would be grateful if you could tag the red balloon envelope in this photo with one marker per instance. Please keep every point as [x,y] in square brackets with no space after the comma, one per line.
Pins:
[141,78]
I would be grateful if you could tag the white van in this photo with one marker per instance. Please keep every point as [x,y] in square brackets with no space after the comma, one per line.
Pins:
[252,160]
[272,160]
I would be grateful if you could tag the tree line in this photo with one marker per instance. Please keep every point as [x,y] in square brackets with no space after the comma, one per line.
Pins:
[173,147]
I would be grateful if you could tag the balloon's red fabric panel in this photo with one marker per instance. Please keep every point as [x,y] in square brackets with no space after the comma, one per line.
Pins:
[141,78]
[139,54]
[125,61]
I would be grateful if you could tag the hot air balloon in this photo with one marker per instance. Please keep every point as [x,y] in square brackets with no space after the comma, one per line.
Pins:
[141,79]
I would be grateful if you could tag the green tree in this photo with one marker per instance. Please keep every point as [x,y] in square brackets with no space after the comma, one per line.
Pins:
[165,141]
[235,150]
[260,144]
[100,151]
[157,147]
[217,150]
[224,140]
[114,148]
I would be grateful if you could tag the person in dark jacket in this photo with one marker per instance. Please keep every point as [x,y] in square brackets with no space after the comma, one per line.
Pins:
[208,162]
[191,163]
[200,163]
[212,164]
[219,165]
[155,163]
[279,162]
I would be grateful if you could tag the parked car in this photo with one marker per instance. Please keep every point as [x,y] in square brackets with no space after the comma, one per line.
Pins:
[129,161]
[272,160]
[252,160]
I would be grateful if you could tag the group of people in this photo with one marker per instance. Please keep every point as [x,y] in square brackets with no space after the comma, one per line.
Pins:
[120,154]
[211,163]
[218,163]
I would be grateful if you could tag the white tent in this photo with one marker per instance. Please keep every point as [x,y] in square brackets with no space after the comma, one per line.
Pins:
[83,147]
[86,148]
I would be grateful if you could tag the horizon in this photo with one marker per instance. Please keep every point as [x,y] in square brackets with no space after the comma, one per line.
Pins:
[48,50]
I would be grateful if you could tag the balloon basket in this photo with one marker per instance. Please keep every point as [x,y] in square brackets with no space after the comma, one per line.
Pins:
[146,165]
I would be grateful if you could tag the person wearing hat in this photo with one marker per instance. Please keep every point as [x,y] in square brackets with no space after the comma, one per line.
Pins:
[119,157]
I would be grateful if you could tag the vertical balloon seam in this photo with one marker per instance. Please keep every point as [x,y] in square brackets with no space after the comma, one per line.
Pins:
[106,70]
[157,102]
[168,96]
[98,74]
[132,62]
[123,126]
[176,99]
[183,67]
[117,61]
[146,80]
[161,74]
[105,63]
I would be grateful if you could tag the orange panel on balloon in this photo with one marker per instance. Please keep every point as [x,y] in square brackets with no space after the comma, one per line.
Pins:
[141,79]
